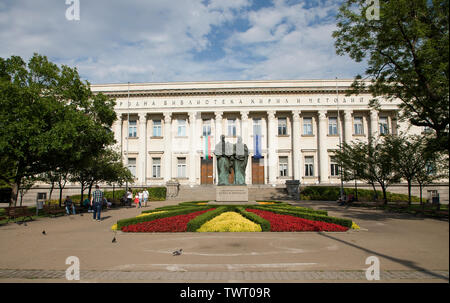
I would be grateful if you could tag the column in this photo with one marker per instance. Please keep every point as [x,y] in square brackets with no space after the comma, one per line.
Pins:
[373,123]
[118,134]
[348,126]
[192,143]
[394,126]
[323,153]
[272,155]
[218,127]
[167,146]
[245,127]
[296,153]
[142,148]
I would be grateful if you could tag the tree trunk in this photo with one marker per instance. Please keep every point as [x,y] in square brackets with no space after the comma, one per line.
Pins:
[14,193]
[409,192]
[90,189]
[51,191]
[420,190]
[385,201]
[374,191]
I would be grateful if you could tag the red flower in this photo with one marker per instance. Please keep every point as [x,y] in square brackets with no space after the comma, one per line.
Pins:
[291,223]
[170,224]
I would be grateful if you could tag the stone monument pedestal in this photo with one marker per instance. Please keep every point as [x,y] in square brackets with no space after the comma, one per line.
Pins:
[231,194]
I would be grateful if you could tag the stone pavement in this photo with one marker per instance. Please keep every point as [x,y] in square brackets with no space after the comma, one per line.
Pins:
[239,276]
[410,249]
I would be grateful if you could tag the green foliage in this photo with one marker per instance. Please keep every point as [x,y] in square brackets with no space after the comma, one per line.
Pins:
[197,222]
[297,208]
[183,211]
[49,119]
[308,215]
[407,58]
[265,225]
[331,193]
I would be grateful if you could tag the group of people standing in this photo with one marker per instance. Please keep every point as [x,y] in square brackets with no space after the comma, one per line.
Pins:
[140,198]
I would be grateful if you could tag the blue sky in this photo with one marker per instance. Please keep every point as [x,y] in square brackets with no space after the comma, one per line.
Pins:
[180,40]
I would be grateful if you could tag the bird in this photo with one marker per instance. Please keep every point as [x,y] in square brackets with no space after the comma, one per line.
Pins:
[114,240]
[177,252]
[43,232]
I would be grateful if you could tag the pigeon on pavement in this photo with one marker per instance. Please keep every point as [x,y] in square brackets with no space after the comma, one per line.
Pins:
[177,252]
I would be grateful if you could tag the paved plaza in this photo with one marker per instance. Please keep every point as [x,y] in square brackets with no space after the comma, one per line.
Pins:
[410,249]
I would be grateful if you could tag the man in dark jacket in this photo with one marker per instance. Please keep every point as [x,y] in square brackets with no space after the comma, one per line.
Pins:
[69,205]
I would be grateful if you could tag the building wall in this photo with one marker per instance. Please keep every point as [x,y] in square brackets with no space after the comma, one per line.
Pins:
[243,102]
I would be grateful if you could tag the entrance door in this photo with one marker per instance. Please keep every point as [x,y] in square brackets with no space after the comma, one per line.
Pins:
[258,170]
[206,171]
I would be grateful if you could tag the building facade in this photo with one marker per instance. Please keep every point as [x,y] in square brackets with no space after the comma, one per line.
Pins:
[168,131]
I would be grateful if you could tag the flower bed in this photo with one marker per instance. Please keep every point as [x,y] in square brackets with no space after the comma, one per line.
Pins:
[168,224]
[229,222]
[279,222]
[149,214]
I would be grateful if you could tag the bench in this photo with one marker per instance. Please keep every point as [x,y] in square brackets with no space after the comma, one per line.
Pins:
[17,212]
[53,210]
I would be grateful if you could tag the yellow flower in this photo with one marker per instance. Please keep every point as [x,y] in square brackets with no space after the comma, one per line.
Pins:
[355,226]
[266,203]
[229,222]
[202,203]
[149,214]
[114,227]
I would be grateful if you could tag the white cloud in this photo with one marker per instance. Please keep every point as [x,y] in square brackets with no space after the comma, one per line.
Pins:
[159,40]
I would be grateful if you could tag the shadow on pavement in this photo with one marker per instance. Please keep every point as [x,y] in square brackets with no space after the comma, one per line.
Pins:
[406,263]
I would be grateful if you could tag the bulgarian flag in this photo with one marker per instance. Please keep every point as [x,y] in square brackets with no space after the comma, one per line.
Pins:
[208,147]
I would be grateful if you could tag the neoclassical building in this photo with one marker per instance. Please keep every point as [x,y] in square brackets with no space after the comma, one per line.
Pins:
[292,128]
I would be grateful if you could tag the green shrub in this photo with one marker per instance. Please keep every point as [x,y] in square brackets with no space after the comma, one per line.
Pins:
[296,208]
[331,193]
[184,211]
[310,216]
[197,222]
[265,225]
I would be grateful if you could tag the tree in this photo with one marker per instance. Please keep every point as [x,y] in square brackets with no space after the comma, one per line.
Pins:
[407,57]
[431,167]
[49,119]
[371,162]
[408,153]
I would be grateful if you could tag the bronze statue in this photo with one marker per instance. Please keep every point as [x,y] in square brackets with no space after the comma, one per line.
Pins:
[240,162]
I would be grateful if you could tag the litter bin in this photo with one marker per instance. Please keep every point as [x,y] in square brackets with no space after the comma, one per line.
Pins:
[435,198]
[40,200]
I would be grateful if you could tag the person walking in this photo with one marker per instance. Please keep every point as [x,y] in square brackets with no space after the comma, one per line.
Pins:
[129,197]
[136,200]
[68,203]
[145,194]
[141,198]
[97,201]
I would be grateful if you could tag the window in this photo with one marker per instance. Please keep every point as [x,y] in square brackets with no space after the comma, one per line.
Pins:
[334,170]
[181,166]
[156,168]
[232,127]
[332,126]
[257,127]
[384,127]
[282,126]
[156,128]
[206,128]
[358,121]
[132,128]
[132,166]
[309,166]
[283,166]
[181,128]
[307,126]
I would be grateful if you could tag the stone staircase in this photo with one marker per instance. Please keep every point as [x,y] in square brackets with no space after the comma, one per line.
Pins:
[208,193]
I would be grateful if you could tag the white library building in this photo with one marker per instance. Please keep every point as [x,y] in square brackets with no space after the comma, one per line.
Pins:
[168,131]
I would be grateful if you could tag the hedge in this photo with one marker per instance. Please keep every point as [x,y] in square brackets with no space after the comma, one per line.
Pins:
[310,216]
[265,225]
[331,193]
[197,222]
[296,208]
[184,211]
